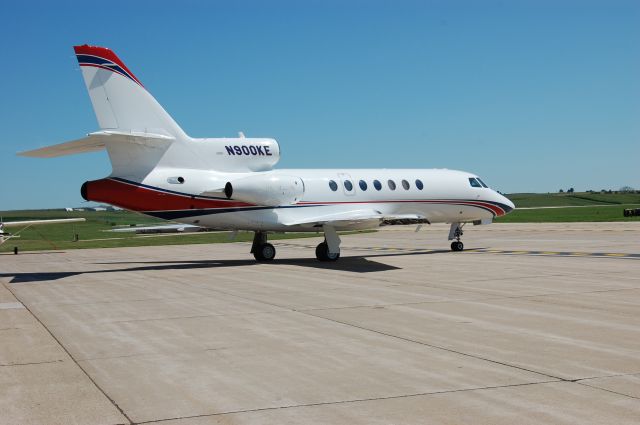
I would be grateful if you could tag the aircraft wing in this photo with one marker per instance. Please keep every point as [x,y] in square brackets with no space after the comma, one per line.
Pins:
[166,228]
[35,222]
[361,218]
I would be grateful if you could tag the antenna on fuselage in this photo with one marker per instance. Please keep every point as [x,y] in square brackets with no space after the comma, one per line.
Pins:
[241,134]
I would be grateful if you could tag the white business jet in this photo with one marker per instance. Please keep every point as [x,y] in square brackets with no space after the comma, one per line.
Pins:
[231,183]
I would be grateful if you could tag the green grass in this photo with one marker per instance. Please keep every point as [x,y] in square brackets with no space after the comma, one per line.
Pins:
[92,233]
[528,200]
[581,206]
[569,214]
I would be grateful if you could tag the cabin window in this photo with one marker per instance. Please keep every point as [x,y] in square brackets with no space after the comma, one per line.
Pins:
[348,185]
[377,185]
[333,185]
[481,182]
[392,184]
[419,184]
[474,183]
[363,185]
[406,185]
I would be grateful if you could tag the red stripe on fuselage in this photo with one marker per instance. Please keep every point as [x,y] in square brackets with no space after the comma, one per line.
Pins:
[138,198]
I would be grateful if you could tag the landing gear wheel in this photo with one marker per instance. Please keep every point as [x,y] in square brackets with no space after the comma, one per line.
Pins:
[265,252]
[457,246]
[323,254]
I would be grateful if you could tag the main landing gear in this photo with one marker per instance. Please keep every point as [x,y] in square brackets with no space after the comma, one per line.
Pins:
[329,250]
[261,249]
[455,232]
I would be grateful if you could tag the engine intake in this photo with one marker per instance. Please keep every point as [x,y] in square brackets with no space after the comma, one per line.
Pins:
[272,191]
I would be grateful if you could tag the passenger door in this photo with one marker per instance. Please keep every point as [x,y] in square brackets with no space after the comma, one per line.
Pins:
[344,177]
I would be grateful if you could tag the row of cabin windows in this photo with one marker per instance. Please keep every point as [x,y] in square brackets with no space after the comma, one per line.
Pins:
[376,183]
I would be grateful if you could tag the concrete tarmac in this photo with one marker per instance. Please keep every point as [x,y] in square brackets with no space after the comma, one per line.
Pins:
[534,324]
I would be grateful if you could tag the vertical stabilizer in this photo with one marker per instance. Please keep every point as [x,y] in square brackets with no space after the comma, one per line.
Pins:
[119,99]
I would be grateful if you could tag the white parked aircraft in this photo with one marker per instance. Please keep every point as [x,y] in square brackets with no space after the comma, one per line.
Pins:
[230,183]
[5,236]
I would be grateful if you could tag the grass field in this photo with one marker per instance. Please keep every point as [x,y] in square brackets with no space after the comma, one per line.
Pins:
[529,200]
[93,233]
[570,207]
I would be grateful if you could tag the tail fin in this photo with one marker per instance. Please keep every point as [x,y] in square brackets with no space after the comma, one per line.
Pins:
[119,99]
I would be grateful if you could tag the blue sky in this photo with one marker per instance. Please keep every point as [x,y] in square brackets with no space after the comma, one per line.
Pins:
[533,96]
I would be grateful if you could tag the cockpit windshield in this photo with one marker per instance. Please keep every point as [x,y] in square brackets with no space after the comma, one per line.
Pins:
[481,182]
[474,183]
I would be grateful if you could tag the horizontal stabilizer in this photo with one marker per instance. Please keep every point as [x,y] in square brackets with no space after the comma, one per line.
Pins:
[95,142]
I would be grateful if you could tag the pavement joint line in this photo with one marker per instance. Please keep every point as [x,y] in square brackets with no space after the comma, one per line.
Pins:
[463,300]
[31,363]
[444,348]
[615,375]
[399,337]
[70,356]
[391,304]
[607,390]
[360,400]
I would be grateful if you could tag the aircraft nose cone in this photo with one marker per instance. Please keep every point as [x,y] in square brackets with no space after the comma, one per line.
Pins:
[508,205]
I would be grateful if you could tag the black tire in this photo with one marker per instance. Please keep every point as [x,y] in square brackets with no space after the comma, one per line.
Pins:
[322,253]
[265,252]
[457,246]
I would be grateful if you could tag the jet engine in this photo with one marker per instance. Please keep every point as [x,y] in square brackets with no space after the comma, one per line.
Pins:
[272,191]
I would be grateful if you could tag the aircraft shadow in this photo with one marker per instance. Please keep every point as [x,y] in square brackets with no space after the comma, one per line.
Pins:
[353,264]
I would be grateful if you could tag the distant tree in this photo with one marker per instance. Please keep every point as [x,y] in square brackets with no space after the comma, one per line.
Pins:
[570,190]
[626,189]
[561,191]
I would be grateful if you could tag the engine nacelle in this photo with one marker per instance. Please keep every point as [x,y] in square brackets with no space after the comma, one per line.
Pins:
[272,191]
